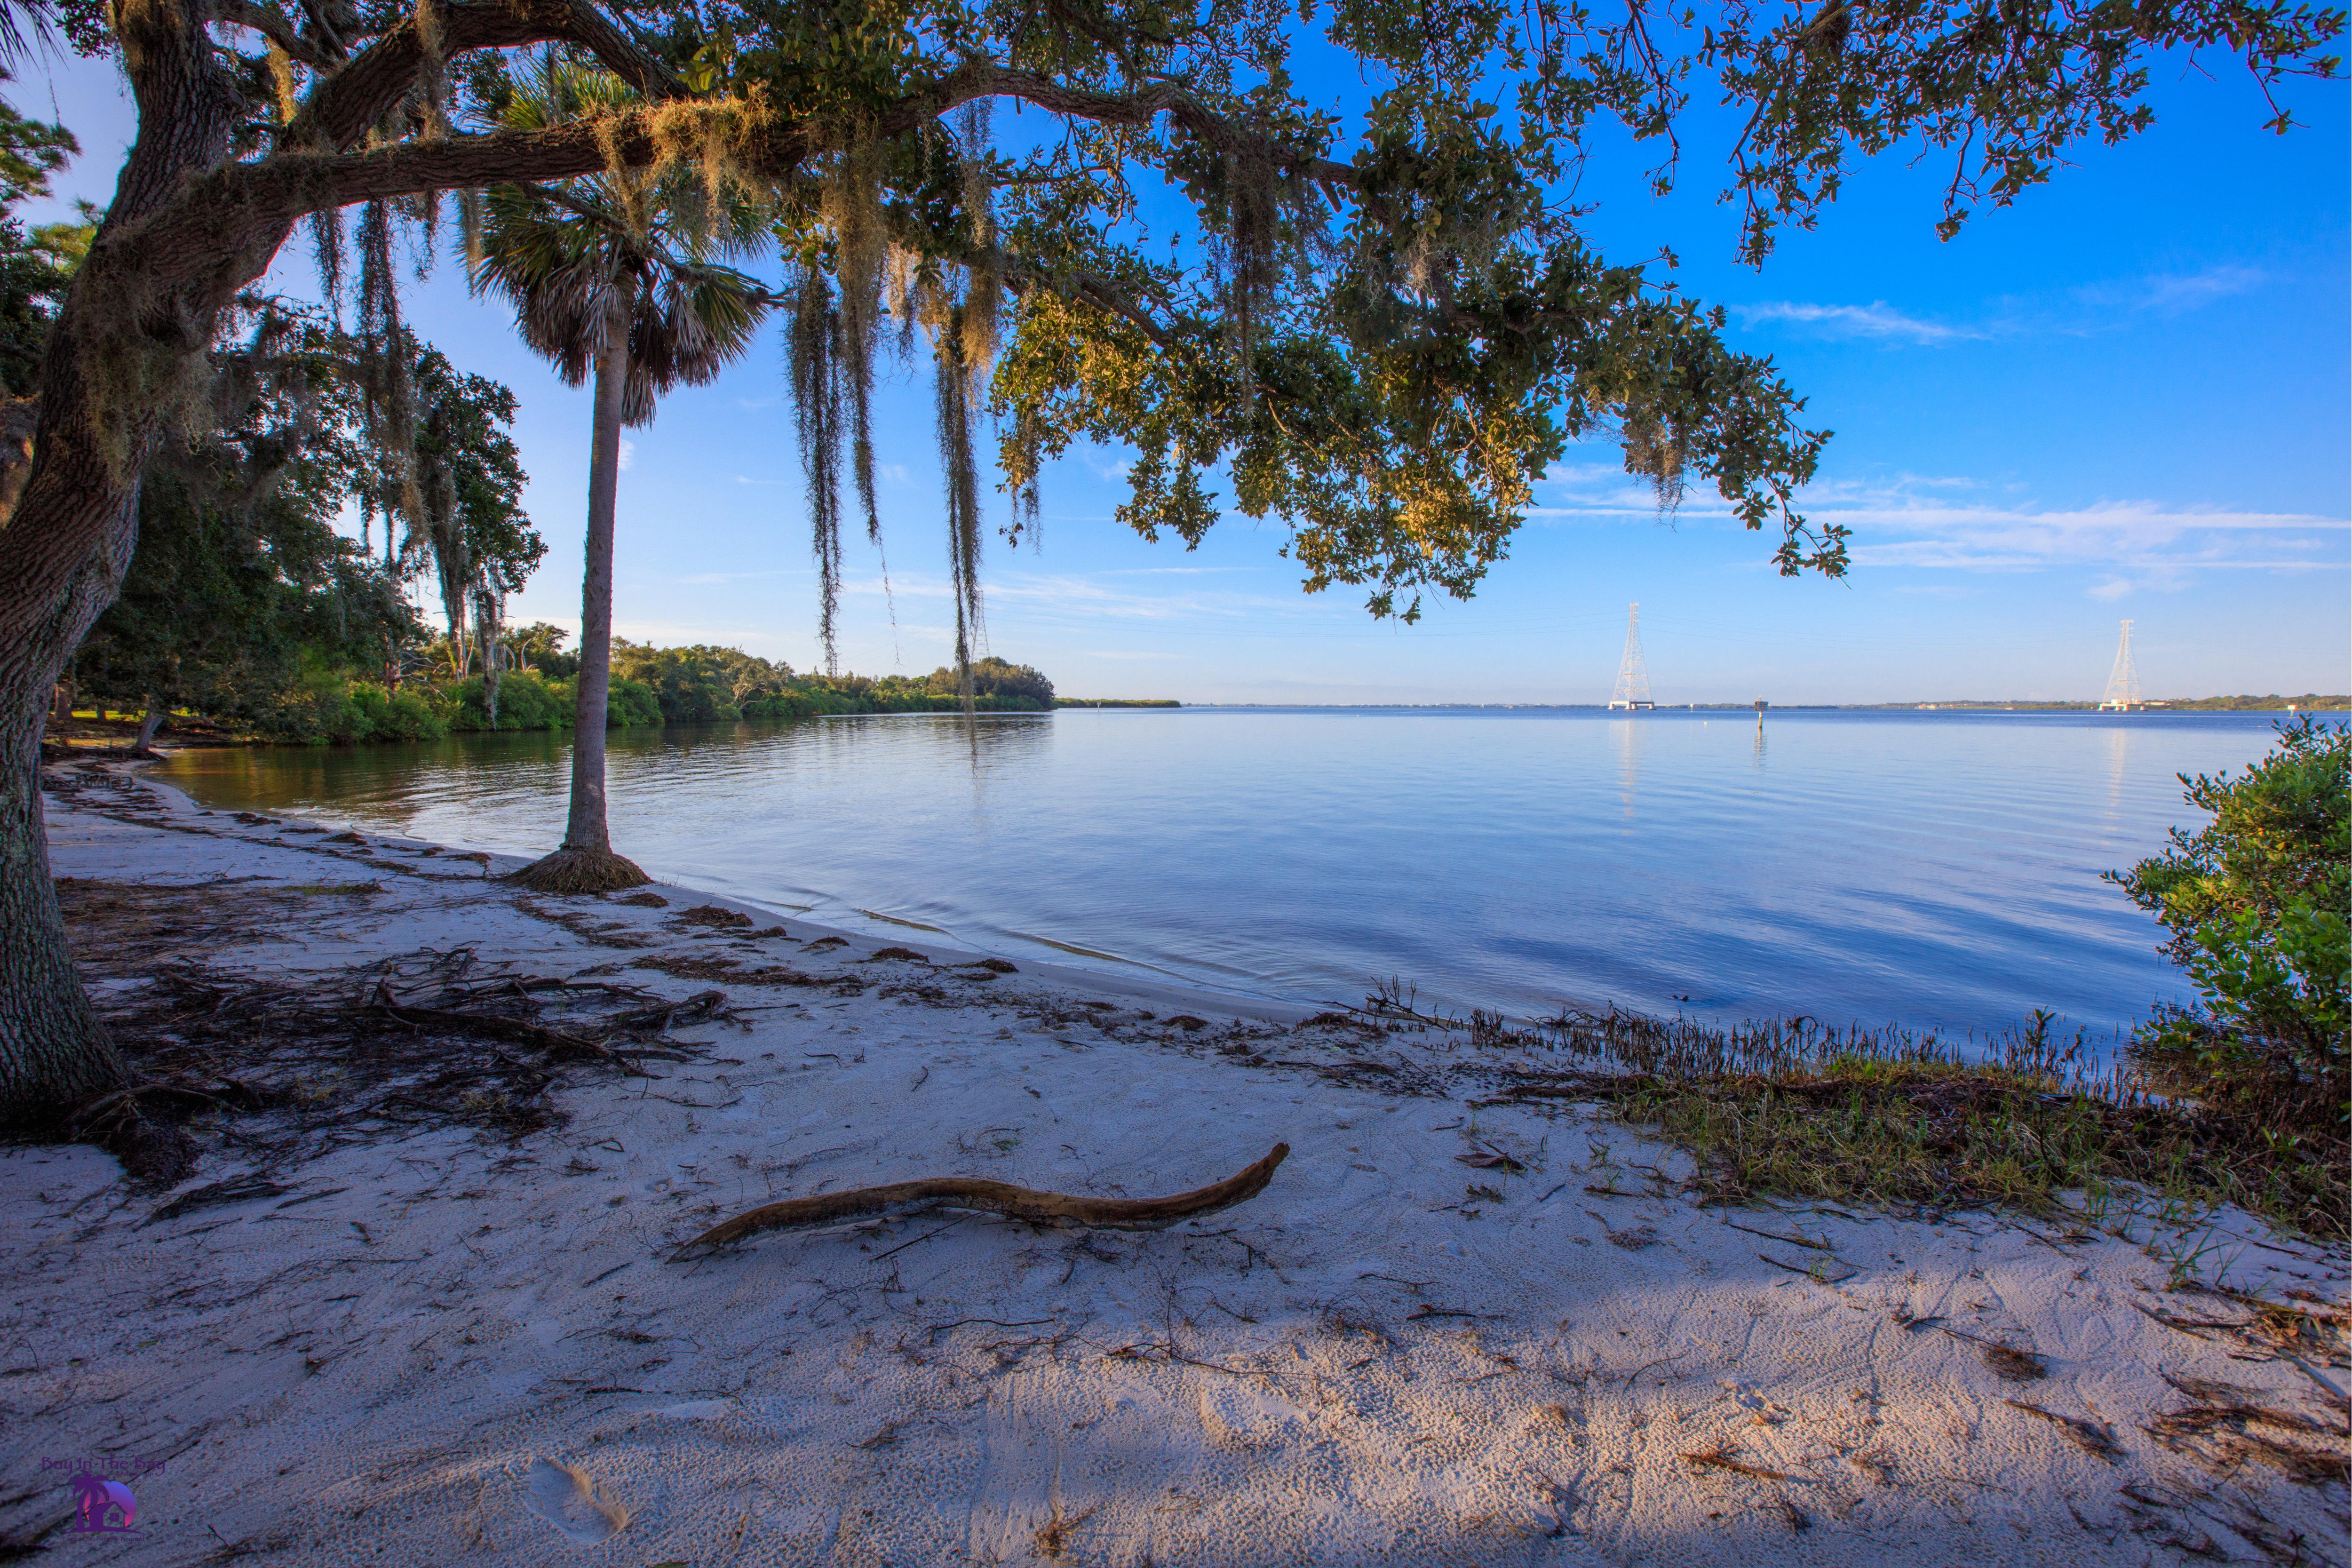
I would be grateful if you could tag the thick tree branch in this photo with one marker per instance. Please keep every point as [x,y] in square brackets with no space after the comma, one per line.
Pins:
[1087,288]
[329,37]
[344,108]
[240,205]
[266,19]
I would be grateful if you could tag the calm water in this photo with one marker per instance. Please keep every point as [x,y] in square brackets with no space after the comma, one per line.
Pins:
[1928,868]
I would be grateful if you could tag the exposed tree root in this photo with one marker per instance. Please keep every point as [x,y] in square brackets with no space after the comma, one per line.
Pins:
[996,1198]
[581,871]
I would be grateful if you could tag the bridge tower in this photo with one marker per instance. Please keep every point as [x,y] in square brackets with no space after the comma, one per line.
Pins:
[2123,683]
[1632,691]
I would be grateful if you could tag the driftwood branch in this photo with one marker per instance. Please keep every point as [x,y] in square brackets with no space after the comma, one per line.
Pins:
[996,1198]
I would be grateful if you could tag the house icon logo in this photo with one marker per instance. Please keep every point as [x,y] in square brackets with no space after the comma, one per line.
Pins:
[104,1507]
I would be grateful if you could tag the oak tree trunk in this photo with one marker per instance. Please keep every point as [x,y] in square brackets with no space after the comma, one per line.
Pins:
[71,535]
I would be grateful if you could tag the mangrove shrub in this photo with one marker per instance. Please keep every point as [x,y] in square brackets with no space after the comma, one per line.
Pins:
[2258,902]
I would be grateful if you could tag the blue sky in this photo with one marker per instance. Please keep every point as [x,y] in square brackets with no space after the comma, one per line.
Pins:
[2126,396]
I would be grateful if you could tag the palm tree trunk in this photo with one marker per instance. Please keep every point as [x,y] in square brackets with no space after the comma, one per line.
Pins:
[586,863]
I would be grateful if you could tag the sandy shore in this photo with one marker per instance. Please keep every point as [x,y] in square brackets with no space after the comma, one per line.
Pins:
[1445,1333]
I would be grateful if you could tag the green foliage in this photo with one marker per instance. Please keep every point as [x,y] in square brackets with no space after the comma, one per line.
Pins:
[2258,903]
[231,602]
[372,712]
[1378,332]
[688,683]
[38,266]
[647,242]
[540,646]
[526,700]
[998,687]
[244,602]
[323,705]
[993,677]
[632,704]
[470,531]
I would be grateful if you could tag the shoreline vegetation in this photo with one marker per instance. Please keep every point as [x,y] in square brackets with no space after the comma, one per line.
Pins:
[326,705]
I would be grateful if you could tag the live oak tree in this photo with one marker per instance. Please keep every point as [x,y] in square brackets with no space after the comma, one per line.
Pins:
[1378,329]
[475,539]
[240,575]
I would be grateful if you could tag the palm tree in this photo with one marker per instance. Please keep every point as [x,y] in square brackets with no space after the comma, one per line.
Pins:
[614,277]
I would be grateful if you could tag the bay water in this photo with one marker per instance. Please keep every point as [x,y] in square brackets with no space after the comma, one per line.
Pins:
[1930,868]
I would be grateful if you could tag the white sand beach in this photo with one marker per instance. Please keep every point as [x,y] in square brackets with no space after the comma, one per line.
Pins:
[424,1343]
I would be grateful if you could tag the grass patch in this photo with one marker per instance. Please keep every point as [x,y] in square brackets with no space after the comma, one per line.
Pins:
[1913,1120]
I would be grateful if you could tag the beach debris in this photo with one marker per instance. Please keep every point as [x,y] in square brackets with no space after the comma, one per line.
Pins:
[995,1198]
[700,1008]
[353,1055]
[644,900]
[993,965]
[906,954]
[490,1026]
[1720,1458]
[2007,1363]
[580,924]
[2089,1437]
[1818,1270]
[1052,1537]
[566,1496]
[713,918]
[241,1189]
[2225,1426]
[733,972]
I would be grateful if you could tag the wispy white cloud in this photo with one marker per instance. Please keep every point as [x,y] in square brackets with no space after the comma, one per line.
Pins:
[2079,312]
[628,453]
[2169,293]
[1877,320]
[1936,524]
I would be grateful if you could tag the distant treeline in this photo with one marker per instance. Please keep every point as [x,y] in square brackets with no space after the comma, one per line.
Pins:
[1116,702]
[323,702]
[703,685]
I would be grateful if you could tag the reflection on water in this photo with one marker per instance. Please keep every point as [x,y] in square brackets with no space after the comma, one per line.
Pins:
[1930,868]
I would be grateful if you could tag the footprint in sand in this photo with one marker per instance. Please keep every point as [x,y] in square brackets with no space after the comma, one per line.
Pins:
[565,1496]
